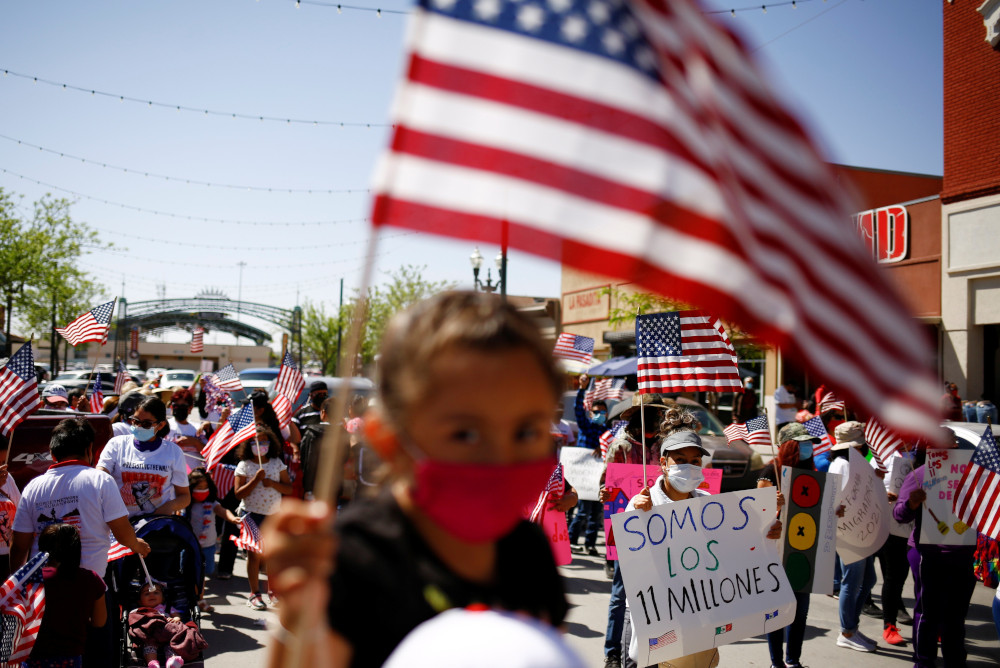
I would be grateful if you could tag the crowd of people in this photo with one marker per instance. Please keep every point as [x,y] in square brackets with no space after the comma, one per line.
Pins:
[463,430]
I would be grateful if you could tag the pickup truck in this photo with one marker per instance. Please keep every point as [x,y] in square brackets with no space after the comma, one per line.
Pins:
[29,451]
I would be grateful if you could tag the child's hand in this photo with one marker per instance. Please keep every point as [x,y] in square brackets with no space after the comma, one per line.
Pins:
[565,502]
[643,501]
[582,382]
[258,476]
[774,533]
[175,619]
[781,500]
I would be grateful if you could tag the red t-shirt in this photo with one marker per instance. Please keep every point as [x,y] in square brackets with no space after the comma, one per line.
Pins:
[69,602]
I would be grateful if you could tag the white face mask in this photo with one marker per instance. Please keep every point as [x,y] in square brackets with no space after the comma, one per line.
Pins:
[685,477]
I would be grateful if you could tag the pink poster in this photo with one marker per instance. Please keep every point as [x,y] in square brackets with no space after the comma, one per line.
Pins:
[553,523]
[625,481]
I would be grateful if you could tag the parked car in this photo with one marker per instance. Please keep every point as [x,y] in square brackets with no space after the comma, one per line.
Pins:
[968,434]
[178,378]
[82,379]
[29,452]
[154,372]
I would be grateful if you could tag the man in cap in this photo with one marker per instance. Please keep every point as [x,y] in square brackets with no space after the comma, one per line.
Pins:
[309,414]
[57,398]
[592,425]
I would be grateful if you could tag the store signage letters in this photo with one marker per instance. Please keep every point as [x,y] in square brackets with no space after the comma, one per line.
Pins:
[886,231]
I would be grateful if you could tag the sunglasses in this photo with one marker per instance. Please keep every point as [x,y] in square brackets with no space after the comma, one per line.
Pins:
[145,424]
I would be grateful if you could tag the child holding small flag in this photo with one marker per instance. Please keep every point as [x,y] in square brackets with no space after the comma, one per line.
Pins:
[467,387]
[201,514]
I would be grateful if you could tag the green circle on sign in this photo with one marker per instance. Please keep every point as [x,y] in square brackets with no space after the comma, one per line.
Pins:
[799,570]
[801,531]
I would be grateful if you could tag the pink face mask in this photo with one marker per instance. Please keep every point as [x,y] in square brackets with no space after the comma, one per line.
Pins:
[478,503]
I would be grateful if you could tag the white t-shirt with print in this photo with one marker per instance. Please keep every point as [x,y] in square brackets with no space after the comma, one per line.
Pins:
[146,480]
[78,495]
[203,521]
[178,430]
[262,500]
[120,429]
[9,496]
[783,396]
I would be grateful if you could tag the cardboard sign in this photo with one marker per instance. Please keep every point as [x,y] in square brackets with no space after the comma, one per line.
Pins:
[900,466]
[554,525]
[809,548]
[700,574]
[939,525]
[583,470]
[865,525]
[626,480]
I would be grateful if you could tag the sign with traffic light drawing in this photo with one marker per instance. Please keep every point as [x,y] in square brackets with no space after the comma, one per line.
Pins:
[809,547]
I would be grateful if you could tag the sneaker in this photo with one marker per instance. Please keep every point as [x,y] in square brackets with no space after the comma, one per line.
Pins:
[903,617]
[872,610]
[854,642]
[272,599]
[891,635]
[175,662]
[256,602]
[223,576]
[576,549]
[592,551]
[863,638]
[612,660]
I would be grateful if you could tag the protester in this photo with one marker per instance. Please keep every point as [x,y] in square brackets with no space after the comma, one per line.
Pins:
[592,426]
[627,448]
[894,566]
[182,432]
[78,401]
[943,583]
[201,514]
[467,385]
[127,403]
[785,405]
[74,600]
[309,413]
[806,411]
[309,449]
[857,578]
[150,472]
[745,403]
[56,397]
[951,403]
[261,480]
[9,497]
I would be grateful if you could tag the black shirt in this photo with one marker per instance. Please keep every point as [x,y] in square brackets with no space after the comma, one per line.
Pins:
[306,416]
[387,580]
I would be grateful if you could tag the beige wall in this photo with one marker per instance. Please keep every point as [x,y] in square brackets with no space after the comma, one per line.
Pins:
[173,355]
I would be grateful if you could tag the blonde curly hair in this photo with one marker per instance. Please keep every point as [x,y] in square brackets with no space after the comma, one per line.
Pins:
[678,418]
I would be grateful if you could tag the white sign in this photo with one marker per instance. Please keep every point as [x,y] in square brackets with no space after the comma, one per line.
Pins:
[809,548]
[700,574]
[864,527]
[939,525]
[583,468]
[900,465]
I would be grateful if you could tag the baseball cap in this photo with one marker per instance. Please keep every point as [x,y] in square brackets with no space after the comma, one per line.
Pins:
[682,439]
[55,394]
[318,386]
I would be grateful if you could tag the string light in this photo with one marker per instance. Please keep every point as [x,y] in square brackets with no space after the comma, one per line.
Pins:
[358,8]
[199,110]
[763,8]
[230,247]
[203,219]
[177,179]
[202,265]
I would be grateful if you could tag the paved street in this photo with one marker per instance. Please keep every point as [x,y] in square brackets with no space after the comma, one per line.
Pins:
[237,636]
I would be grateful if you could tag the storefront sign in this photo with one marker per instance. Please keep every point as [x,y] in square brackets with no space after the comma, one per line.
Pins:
[886,231]
[939,524]
[586,305]
[700,574]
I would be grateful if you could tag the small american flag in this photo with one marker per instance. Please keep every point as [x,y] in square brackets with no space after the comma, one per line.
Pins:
[289,382]
[882,441]
[243,424]
[662,641]
[227,378]
[603,389]
[815,428]
[96,395]
[608,437]
[217,446]
[978,500]
[249,538]
[754,431]
[18,389]
[576,348]
[91,326]
[121,377]
[830,402]
[554,488]
[685,351]
[198,340]
[223,475]
[116,551]
[22,600]
[283,409]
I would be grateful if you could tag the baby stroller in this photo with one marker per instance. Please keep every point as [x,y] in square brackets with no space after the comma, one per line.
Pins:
[175,561]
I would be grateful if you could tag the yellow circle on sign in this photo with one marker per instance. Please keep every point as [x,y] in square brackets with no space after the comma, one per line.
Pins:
[801,532]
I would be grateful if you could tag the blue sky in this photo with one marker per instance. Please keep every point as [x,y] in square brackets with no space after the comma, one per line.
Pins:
[865,75]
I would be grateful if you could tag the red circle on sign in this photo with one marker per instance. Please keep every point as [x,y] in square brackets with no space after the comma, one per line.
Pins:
[805,491]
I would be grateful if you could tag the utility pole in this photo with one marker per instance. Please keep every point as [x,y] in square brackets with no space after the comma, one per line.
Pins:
[340,325]
[54,354]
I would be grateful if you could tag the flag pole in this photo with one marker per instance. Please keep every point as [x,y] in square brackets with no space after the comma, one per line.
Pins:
[149,580]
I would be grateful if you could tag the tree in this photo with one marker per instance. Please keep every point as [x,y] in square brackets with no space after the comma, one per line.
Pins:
[319,337]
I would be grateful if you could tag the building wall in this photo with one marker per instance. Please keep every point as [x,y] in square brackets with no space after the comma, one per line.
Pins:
[971,111]
[878,187]
[170,355]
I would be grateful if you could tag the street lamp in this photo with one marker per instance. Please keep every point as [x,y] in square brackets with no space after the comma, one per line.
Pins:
[476,259]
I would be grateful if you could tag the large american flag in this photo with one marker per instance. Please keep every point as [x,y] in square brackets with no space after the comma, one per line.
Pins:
[249,538]
[227,378]
[603,389]
[685,351]
[91,326]
[815,428]
[289,382]
[121,377]
[978,500]
[755,431]
[96,395]
[239,427]
[18,389]
[545,125]
[198,340]
[22,600]
[882,441]
[574,347]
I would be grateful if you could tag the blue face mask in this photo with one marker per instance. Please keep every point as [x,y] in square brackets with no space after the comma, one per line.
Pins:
[805,450]
[141,434]
[599,418]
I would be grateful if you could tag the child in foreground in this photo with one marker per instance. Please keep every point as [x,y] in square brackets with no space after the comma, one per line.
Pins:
[201,514]
[151,626]
[467,387]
